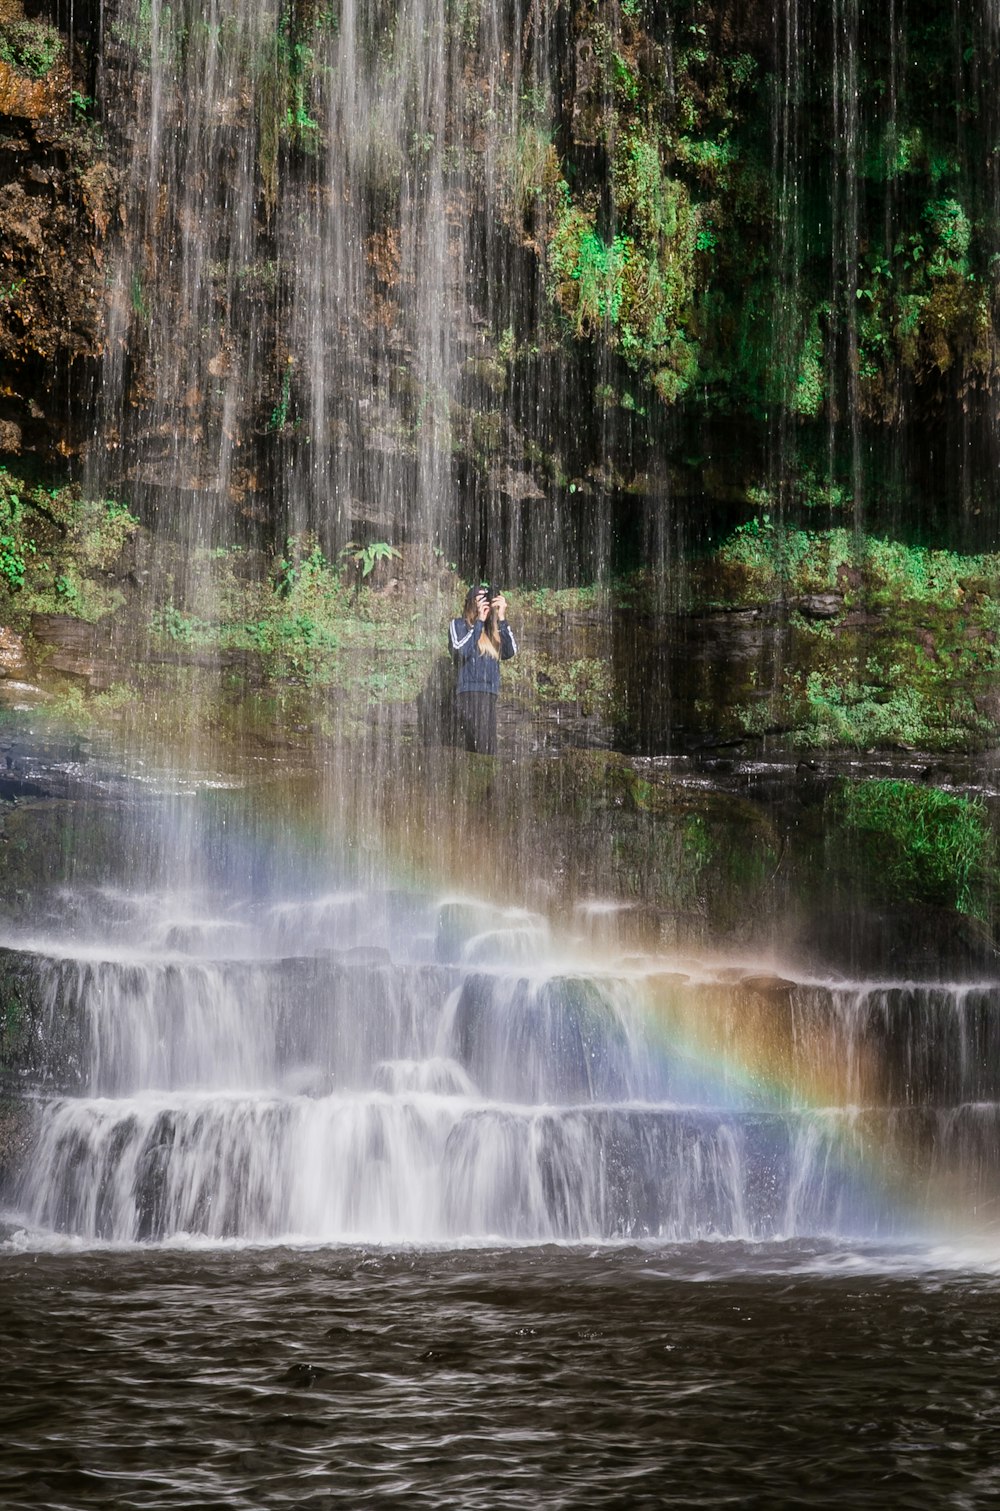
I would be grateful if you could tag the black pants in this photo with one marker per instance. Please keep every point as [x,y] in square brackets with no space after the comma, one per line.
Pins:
[477,719]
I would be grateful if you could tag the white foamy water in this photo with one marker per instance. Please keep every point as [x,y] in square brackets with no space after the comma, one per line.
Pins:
[275,1073]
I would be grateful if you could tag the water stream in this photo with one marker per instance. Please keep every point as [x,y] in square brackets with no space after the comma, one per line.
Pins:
[331,1192]
[344,1182]
[392,1065]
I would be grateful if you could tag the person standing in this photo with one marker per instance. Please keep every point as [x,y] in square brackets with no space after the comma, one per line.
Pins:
[479,641]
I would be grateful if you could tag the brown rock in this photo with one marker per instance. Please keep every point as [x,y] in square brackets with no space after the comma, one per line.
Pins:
[767,985]
[69,644]
[517,485]
[587,100]
[819,605]
[10,436]
[98,188]
[13,661]
[30,99]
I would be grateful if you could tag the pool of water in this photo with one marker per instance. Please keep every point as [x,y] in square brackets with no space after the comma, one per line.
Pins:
[717,1375]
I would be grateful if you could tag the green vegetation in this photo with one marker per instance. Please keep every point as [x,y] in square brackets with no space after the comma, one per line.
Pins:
[308,620]
[681,261]
[916,843]
[885,644]
[551,604]
[577,253]
[672,239]
[763,561]
[809,389]
[368,557]
[633,291]
[281,413]
[57,549]
[584,681]
[870,708]
[32,47]
[286,66]
[699,263]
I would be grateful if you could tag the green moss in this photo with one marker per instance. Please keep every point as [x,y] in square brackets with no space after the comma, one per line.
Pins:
[896,572]
[99,531]
[32,47]
[877,710]
[949,224]
[635,291]
[762,561]
[586,681]
[551,604]
[710,159]
[309,620]
[917,844]
[591,271]
[809,389]
[626,84]
[281,413]
[679,370]
[654,204]
[906,655]
[681,280]
[833,692]
[286,69]
[58,551]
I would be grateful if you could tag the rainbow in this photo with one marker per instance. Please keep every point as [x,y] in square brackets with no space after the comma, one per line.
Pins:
[439,824]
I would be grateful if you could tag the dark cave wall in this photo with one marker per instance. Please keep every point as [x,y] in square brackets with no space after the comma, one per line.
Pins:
[751,250]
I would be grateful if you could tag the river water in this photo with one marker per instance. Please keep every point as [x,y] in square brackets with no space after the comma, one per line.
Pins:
[702,1375]
[355,1196]
[369,1194]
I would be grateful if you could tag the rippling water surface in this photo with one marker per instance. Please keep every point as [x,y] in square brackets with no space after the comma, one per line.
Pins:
[702,1375]
[700,1200]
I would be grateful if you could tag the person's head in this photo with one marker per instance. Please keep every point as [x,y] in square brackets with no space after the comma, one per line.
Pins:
[489,640]
[479,593]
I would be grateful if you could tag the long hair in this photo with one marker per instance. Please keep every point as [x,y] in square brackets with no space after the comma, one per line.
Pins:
[489,640]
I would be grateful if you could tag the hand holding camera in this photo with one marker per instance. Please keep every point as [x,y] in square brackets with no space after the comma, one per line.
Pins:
[489,598]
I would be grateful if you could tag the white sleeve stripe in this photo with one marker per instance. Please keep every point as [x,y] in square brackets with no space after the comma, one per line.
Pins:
[512,640]
[457,644]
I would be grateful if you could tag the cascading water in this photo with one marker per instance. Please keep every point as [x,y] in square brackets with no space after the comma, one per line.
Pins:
[333,224]
[400,1130]
[358,1066]
[313,274]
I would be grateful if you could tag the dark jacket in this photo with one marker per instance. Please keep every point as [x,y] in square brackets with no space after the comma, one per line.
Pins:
[476,673]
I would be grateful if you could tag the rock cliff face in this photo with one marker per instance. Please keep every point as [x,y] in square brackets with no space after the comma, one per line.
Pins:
[695,303]
[354,267]
[57,200]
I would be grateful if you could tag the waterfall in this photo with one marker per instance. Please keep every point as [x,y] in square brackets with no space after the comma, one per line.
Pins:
[314,269]
[338,300]
[361,252]
[270,1073]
